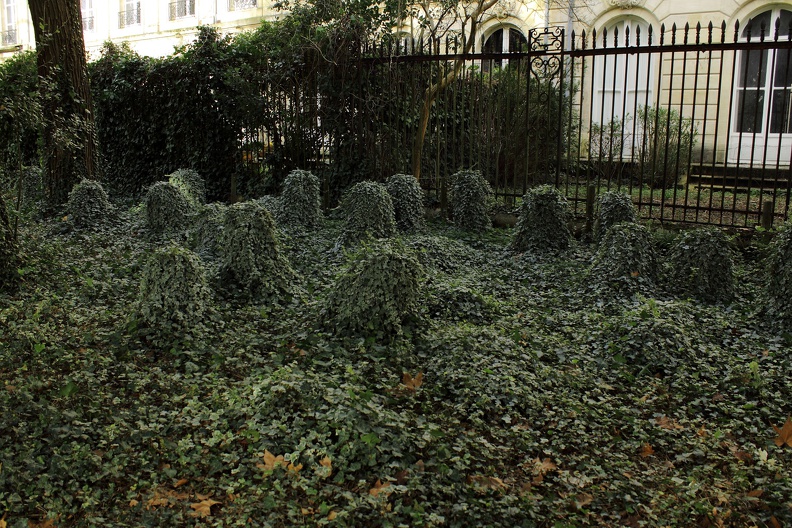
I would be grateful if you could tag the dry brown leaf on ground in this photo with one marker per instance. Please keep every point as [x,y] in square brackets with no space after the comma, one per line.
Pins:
[203,508]
[784,434]
[410,382]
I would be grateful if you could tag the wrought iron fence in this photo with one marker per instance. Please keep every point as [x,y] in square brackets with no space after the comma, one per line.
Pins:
[695,123]
[181,9]
[129,17]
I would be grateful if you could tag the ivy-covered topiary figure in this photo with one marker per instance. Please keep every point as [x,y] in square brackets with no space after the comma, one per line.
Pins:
[368,210]
[88,204]
[10,261]
[251,262]
[174,296]
[206,231]
[543,222]
[407,199]
[469,195]
[301,201]
[375,292]
[701,264]
[626,259]
[190,184]
[272,204]
[612,208]
[778,291]
[167,209]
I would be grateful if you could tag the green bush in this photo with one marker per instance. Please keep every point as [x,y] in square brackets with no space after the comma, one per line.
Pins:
[612,208]
[778,291]
[469,195]
[9,252]
[301,200]
[368,210]
[32,188]
[543,222]
[701,264]
[665,148]
[252,265]
[272,204]
[626,259]
[174,295]
[459,300]
[190,184]
[407,199]
[88,204]
[167,209]
[375,292]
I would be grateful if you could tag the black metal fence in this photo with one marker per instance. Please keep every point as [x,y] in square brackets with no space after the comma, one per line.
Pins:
[695,122]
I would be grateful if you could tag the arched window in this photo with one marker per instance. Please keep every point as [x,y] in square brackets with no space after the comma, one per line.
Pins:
[763,89]
[621,84]
[503,39]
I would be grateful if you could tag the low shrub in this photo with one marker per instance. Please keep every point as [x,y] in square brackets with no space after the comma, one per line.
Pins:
[626,259]
[701,264]
[469,195]
[441,253]
[778,292]
[190,184]
[459,300]
[375,292]
[32,188]
[252,265]
[272,204]
[543,222]
[612,208]
[368,210]
[408,200]
[167,208]
[301,200]
[9,252]
[88,204]
[174,295]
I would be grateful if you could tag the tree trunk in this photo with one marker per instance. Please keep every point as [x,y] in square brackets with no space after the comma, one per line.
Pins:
[69,138]
[434,90]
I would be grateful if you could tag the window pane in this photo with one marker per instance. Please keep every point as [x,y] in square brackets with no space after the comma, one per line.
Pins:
[753,68]
[782,76]
[753,29]
[780,112]
[517,42]
[750,105]
[783,28]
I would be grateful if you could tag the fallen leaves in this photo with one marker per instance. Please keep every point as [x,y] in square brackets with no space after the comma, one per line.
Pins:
[380,488]
[271,462]
[646,450]
[484,483]
[203,508]
[664,422]
[784,434]
[412,383]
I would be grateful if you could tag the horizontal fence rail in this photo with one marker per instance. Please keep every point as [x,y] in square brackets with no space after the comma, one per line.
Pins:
[694,123]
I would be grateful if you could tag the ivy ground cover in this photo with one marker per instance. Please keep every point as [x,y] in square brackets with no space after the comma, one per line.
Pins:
[521,394]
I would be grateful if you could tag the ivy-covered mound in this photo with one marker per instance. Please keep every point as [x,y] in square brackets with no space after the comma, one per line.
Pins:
[376,291]
[779,277]
[9,252]
[701,264]
[206,231]
[167,208]
[543,222]
[301,203]
[252,265]
[469,195]
[441,253]
[190,184]
[613,208]
[407,199]
[368,210]
[273,204]
[174,296]
[626,259]
[88,204]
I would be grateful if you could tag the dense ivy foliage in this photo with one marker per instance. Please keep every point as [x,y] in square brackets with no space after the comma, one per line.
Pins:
[701,264]
[167,208]
[368,210]
[190,184]
[9,252]
[469,195]
[301,203]
[206,230]
[174,295]
[779,278]
[612,208]
[543,222]
[252,264]
[407,198]
[376,291]
[88,204]
[626,259]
